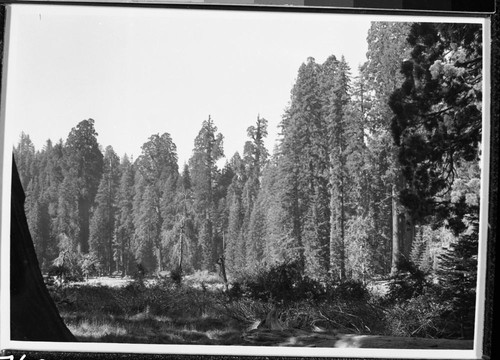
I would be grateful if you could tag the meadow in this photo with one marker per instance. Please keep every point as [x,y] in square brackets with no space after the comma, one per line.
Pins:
[273,309]
[143,311]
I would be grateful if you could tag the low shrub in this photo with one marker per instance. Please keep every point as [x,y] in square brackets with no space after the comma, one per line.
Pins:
[348,290]
[420,316]
[176,275]
[409,282]
[358,317]
[284,283]
[302,315]
[244,310]
[58,270]
[139,273]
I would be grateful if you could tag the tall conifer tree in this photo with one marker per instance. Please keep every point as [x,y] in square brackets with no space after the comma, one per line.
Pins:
[387,48]
[124,225]
[208,149]
[158,171]
[86,162]
[102,225]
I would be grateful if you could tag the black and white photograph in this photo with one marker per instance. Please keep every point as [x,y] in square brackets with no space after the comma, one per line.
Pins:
[278,182]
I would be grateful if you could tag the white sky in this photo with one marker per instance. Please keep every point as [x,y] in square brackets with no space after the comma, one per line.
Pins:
[140,71]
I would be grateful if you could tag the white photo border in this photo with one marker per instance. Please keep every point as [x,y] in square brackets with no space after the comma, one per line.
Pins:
[476,353]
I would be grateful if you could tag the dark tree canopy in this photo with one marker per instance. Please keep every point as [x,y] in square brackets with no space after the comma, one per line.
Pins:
[437,123]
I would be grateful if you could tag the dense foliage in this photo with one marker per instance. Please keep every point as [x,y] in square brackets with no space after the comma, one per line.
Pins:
[374,176]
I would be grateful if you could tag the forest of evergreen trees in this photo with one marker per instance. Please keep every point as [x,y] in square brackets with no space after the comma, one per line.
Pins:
[367,171]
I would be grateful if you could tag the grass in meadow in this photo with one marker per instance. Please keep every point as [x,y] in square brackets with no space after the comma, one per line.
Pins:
[199,312]
[156,330]
[160,313]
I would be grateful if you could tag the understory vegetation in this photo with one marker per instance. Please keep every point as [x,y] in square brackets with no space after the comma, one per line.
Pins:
[198,310]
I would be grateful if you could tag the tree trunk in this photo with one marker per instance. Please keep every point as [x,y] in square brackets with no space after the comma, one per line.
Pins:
[403,231]
[83,235]
[297,224]
[407,234]
[342,233]
[396,251]
[34,316]
[222,271]
[110,250]
[181,248]
[337,246]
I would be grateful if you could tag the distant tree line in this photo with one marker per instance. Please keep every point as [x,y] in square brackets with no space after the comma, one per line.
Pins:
[368,171]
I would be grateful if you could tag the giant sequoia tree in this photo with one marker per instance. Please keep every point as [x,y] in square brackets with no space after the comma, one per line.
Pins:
[84,171]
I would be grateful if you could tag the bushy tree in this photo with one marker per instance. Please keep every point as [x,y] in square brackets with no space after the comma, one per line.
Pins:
[437,122]
[458,279]
[437,128]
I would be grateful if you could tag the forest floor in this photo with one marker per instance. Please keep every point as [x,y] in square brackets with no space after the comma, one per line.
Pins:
[113,310]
